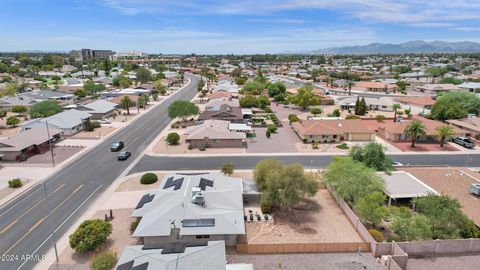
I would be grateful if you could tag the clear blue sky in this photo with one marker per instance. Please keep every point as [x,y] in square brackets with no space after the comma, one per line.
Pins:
[225,26]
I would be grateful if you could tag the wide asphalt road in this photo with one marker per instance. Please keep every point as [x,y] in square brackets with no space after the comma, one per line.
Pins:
[152,163]
[27,221]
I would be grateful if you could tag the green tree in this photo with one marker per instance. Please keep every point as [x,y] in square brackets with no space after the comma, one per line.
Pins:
[268,133]
[276,88]
[451,80]
[409,227]
[262,102]
[284,185]
[93,88]
[253,87]
[351,179]
[396,107]
[10,89]
[373,156]
[336,113]
[444,132]
[305,98]
[415,129]
[90,235]
[402,86]
[12,121]
[455,105]
[121,81]
[19,109]
[371,208]
[80,93]
[248,101]
[126,103]
[173,138]
[227,169]
[143,75]
[445,217]
[44,109]
[182,109]
[159,87]
[315,111]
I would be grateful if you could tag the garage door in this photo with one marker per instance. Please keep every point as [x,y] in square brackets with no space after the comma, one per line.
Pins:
[360,136]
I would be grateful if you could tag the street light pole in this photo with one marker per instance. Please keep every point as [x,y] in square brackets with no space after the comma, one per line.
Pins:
[50,143]
[51,229]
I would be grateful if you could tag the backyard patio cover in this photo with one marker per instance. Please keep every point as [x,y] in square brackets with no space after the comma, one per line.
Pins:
[402,185]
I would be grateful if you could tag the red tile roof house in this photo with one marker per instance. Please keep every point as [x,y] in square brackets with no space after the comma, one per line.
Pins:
[214,134]
[376,87]
[394,131]
[332,131]
[223,112]
[424,102]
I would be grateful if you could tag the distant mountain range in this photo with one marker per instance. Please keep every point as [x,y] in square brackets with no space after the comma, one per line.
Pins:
[418,46]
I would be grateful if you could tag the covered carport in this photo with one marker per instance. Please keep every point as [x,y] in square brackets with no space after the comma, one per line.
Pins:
[401,185]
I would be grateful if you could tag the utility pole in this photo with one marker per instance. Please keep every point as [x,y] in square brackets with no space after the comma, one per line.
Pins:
[50,143]
[51,229]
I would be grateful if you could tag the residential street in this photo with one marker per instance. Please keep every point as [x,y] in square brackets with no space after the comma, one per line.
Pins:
[148,163]
[25,222]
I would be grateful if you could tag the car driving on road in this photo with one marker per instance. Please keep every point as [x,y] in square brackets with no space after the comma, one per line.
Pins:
[117,146]
[124,155]
[465,142]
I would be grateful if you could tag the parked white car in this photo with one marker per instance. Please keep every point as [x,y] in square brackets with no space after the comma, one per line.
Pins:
[104,121]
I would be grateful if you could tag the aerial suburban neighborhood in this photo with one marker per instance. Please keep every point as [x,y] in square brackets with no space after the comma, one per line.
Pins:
[237,135]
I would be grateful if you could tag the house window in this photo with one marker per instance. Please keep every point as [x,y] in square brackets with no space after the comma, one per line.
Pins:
[202,236]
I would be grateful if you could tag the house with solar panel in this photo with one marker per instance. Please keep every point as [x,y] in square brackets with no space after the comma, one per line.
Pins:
[186,224]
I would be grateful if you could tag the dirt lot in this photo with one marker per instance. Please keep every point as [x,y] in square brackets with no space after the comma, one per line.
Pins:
[323,261]
[282,141]
[445,263]
[119,238]
[316,220]
[453,182]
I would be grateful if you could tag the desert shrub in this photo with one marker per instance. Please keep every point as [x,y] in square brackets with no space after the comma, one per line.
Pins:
[95,124]
[148,178]
[202,148]
[351,117]
[272,128]
[190,147]
[104,261]
[268,133]
[477,136]
[377,235]
[343,146]
[90,235]
[173,138]
[3,114]
[380,118]
[15,183]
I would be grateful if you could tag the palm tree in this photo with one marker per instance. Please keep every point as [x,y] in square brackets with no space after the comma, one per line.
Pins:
[415,129]
[350,84]
[126,102]
[444,132]
[396,107]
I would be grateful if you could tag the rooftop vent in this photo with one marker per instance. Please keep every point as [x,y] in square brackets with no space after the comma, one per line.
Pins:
[198,198]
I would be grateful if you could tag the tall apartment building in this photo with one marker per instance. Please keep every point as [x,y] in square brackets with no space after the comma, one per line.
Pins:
[86,54]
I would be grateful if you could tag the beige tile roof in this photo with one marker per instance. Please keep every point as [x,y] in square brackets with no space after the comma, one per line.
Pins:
[330,127]
[430,126]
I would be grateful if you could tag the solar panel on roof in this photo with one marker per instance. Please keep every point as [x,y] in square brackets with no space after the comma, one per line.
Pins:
[143,266]
[202,222]
[177,184]
[145,199]
[125,266]
[204,183]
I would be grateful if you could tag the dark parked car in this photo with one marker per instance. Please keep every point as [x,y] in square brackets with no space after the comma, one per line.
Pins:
[117,146]
[124,155]
[465,142]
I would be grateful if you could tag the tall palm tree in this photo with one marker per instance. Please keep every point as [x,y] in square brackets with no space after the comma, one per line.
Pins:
[443,133]
[350,84]
[396,107]
[415,129]
[126,102]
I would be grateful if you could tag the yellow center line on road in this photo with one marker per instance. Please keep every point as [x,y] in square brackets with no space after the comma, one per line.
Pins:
[28,211]
[41,220]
